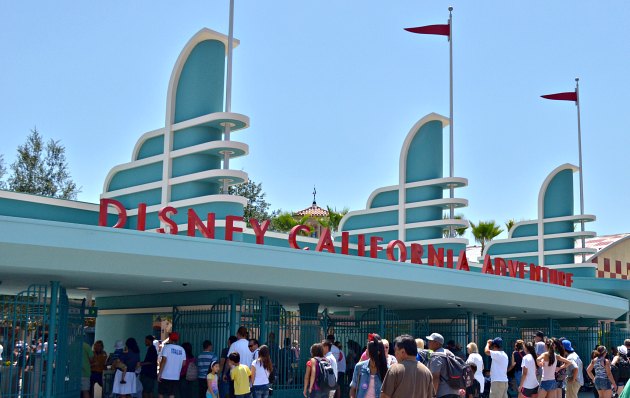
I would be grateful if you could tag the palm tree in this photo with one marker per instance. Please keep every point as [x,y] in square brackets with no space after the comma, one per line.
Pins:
[458,231]
[484,232]
[509,224]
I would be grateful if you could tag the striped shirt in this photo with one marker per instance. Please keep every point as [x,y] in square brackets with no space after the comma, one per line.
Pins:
[204,360]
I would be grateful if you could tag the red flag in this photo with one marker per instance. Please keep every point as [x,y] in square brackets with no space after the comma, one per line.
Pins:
[444,30]
[570,96]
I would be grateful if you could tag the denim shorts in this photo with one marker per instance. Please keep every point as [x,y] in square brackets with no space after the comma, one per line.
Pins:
[548,385]
[602,384]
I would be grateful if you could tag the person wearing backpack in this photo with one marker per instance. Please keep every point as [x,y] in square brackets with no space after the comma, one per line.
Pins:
[498,368]
[438,365]
[317,383]
[620,361]
[188,373]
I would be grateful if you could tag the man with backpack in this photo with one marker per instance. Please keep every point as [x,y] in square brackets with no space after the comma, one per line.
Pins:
[327,345]
[620,367]
[445,368]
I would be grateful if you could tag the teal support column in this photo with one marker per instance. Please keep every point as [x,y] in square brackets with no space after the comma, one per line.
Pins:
[52,330]
[233,320]
[550,326]
[381,321]
[471,329]
[310,330]
[264,316]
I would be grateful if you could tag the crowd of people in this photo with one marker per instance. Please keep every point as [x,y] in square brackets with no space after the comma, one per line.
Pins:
[418,368]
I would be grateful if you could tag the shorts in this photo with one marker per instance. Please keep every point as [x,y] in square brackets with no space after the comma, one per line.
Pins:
[85,384]
[529,392]
[548,385]
[602,384]
[148,383]
[169,387]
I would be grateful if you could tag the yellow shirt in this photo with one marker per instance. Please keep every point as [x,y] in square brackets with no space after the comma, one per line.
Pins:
[240,374]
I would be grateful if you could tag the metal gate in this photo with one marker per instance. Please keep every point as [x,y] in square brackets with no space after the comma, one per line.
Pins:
[42,335]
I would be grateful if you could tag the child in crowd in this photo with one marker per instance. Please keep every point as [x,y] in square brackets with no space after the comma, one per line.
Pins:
[474,391]
[114,359]
[213,381]
[241,375]
[487,383]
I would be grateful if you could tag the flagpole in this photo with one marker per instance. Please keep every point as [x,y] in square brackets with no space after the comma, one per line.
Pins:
[577,103]
[451,157]
[228,92]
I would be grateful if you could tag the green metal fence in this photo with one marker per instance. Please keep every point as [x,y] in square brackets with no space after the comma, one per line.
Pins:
[289,333]
[42,334]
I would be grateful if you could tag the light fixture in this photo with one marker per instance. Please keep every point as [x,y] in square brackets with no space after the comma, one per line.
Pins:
[167,281]
[83,288]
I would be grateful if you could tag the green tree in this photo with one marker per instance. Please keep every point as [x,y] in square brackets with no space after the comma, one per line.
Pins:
[458,231]
[3,171]
[257,206]
[41,169]
[509,224]
[283,221]
[484,232]
[332,220]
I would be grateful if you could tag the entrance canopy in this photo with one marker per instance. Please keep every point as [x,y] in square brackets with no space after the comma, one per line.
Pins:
[116,262]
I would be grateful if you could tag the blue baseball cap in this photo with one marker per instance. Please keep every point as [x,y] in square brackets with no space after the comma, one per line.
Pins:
[567,345]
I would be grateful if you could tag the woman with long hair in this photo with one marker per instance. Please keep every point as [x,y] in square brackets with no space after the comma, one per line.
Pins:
[517,359]
[368,375]
[262,369]
[125,378]
[561,371]
[599,371]
[528,386]
[474,357]
[185,385]
[549,362]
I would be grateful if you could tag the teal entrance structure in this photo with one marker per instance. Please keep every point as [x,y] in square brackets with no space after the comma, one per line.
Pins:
[165,242]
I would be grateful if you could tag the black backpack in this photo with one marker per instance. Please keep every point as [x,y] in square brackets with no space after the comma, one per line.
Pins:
[458,373]
[623,366]
[326,379]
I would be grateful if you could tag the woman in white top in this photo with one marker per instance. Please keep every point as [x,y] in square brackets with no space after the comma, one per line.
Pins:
[474,357]
[549,362]
[261,371]
[529,383]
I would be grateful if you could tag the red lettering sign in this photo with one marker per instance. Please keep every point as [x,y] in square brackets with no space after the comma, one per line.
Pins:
[435,257]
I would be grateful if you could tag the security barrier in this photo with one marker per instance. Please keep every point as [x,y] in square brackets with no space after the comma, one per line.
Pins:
[42,337]
[289,332]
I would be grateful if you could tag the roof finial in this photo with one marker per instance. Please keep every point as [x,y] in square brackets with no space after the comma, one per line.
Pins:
[314,193]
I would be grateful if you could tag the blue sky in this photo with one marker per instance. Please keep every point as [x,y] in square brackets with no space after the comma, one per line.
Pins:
[332,89]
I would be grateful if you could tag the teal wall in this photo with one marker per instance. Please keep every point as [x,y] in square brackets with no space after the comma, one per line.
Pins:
[424,158]
[382,199]
[201,83]
[151,147]
[559,196]
[110,328]
[39,211]
[137,176]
